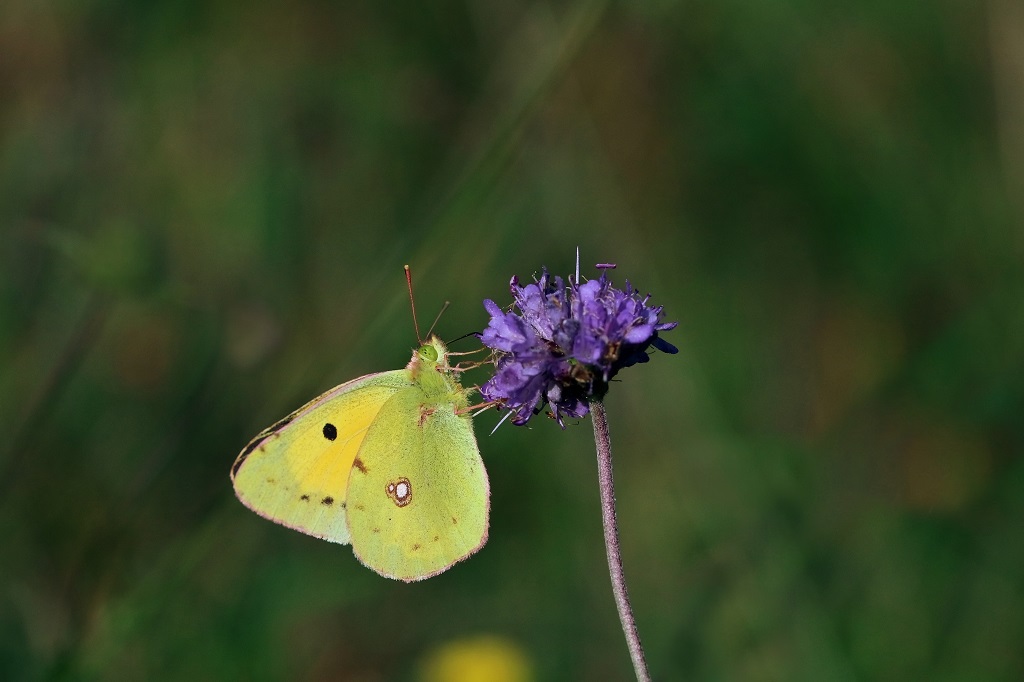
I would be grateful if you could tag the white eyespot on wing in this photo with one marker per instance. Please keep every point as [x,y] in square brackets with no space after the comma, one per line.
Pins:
[399,491]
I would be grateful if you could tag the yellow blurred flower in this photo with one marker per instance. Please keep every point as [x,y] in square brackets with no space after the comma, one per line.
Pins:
[483,658]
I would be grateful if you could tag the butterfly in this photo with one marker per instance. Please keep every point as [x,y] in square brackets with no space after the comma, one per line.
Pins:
[387,463]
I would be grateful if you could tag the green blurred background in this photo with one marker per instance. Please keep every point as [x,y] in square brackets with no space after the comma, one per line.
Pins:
[205,209]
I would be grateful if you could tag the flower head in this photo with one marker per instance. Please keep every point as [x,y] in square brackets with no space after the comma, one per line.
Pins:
[561,344]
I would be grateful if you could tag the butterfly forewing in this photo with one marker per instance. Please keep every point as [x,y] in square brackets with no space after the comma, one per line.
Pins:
[296,472]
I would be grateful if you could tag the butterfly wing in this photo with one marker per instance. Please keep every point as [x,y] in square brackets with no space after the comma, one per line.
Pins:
[418,496]
[296,472]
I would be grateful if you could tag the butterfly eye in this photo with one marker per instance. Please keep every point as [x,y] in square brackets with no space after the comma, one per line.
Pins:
[428,353]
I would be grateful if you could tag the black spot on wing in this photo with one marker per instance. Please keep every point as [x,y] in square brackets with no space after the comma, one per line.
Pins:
[330,431]
[304,498]
[327,501]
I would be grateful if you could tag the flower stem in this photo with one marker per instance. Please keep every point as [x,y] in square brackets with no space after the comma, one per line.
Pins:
[611,540]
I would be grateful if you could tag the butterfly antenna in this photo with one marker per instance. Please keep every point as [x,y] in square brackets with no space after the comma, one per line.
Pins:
[439,314]
[412,303]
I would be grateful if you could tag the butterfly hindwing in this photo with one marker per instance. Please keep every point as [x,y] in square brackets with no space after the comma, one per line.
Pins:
[418,498]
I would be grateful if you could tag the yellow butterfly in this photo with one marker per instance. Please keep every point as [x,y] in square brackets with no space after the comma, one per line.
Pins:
[387,462]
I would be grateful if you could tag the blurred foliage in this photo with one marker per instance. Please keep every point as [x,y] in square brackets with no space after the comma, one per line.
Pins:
[206,207]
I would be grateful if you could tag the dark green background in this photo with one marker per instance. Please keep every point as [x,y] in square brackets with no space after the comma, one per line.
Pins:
[205,209]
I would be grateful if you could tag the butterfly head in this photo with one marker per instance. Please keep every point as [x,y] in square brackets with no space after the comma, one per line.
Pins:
[428,353]
[430,369]
[431,357]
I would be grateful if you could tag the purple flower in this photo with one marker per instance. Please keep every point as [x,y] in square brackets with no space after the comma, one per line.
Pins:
[565,343]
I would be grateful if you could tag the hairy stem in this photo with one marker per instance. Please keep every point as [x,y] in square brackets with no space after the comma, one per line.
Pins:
[611,540]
